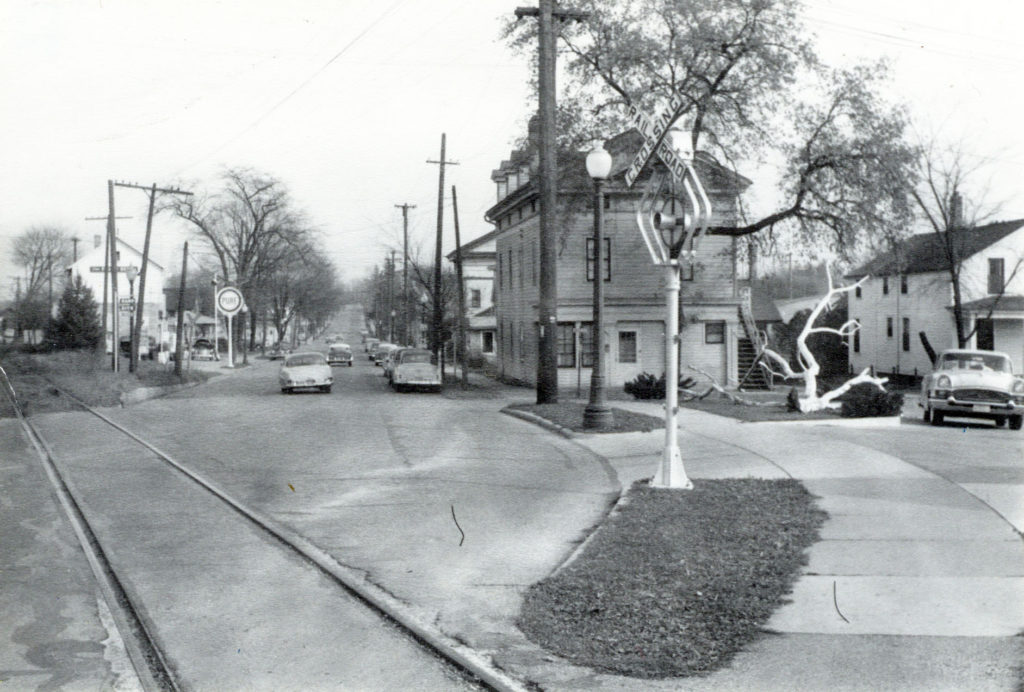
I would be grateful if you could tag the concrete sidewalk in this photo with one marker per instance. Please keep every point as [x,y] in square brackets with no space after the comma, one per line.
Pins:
[915,585]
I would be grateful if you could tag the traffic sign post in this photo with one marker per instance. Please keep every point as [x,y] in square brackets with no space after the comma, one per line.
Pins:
[229,301]
[126,304]
[674,213]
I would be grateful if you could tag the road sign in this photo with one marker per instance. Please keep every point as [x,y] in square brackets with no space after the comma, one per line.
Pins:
[102,269]
[229,300]
[653,132]
[126,304]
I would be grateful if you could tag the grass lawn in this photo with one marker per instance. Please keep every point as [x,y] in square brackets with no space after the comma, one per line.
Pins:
[570,415]
[676,582]
[84,374]
[719,405]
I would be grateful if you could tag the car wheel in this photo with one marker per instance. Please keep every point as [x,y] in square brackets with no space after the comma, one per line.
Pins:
[285,390]
[1015,422]
[350,364]
[1000,422]
[937,417]
[326,389]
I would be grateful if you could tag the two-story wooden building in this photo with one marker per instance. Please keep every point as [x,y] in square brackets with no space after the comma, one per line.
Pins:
[713,329]
[912,292]
[478,258]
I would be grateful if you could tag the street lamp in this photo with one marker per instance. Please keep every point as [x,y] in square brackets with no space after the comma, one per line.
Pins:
[130,272]
[598,415]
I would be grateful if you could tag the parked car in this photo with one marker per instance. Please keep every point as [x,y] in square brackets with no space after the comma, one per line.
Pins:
[339,354]
[202,349]
[381,352]
[973,384]
[388,361]
[415,368]
[305,371]
[371,345]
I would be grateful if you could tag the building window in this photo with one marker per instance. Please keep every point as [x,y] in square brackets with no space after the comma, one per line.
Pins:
[906,333]
[500,273]
[607,201]
[856,336]
[627,347]
[606,259]
[857,292]
[522,351]
[533,264]
[511,272]
[566,345]
[714,332]
[488,342]
[474,297]
[586,344]
[888,327]
[903,284]
[520,266]
[996,280]
[885,287]
[984,335]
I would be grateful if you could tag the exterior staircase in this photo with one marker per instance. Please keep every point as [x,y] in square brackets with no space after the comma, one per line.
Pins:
[750,350]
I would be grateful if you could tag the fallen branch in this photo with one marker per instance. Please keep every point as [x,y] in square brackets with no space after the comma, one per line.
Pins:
[716,387]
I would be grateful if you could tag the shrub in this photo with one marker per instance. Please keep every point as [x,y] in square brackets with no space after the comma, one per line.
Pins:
[793,400]
[865,400]
[646,386]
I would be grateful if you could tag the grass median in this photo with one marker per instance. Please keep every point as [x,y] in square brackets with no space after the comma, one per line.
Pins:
[676,582]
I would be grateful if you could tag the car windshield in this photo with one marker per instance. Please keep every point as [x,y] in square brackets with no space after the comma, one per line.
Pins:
[417,357]
[305,359]
[975,361]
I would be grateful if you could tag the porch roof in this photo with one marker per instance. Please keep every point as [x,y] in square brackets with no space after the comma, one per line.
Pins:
[996,304]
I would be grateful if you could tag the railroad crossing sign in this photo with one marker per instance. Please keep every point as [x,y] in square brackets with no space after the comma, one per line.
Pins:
[229,300]
[654,132]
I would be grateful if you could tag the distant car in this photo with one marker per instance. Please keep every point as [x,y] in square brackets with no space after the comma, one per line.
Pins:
[371,345]
[202,349]
[415,368]
[335,339]
[305,371]
[339,354]
[381,352]
[276,352]
[973,384]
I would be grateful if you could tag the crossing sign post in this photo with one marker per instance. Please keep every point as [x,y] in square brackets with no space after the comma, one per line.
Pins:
[229,301]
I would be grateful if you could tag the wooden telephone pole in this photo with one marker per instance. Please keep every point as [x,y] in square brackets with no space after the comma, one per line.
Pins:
[406,320]
[437,322]
[547,347]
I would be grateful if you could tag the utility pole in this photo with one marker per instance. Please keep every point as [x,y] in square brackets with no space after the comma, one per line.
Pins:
[461,351]
[133,361]
[179,332]
[438,320]
[106,269]
[391,299]
[547,353]
[112,266]
[406,321]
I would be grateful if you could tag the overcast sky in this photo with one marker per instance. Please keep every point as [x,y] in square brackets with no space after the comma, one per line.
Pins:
[345,100]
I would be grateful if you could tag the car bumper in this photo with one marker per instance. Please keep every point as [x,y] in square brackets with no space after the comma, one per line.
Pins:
[975,409]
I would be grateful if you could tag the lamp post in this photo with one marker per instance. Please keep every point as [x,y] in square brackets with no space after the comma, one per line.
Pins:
[598,415]
[130,273]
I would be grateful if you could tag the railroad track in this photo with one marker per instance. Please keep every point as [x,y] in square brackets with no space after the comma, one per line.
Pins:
[147,649]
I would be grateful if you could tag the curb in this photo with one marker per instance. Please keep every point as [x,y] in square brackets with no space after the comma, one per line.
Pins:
[542,422]
[866,422]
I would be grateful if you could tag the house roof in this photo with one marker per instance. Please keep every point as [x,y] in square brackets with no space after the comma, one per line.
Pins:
[995,304]
[471,246]
[925,253]
[102,251]
[763,308]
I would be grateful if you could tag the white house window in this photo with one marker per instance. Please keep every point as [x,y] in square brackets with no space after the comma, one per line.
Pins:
[903,284]
[888,327]
[856,336]
[714,332]
[996,281]
[906,334]
[885,287]
[488,342]
[606,259]
[474,297]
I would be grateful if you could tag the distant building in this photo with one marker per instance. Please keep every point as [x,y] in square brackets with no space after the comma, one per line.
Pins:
[478,258]
[905,297]
[90,266]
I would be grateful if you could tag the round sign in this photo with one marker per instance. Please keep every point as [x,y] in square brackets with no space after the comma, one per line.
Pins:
[229,300]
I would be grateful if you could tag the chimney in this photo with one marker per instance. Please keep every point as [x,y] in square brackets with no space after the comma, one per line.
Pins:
[96,240]
[956,210]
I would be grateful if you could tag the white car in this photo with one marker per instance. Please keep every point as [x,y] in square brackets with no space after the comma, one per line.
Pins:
[414,368]
[969,383]
[305,371]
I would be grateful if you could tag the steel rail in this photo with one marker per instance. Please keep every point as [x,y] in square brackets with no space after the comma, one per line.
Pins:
[472,663]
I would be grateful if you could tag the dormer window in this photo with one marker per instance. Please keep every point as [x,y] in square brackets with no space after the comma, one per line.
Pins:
[502,189]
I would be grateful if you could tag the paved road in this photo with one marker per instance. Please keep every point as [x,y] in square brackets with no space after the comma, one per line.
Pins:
[373,477]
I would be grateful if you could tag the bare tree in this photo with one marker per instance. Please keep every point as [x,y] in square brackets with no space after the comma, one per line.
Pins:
[42,252]
[954,220]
